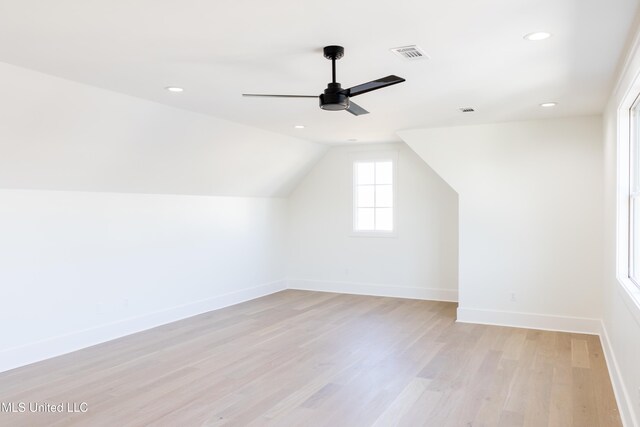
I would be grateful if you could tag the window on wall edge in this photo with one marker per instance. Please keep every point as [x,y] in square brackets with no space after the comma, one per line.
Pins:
[634,193]
[374,195]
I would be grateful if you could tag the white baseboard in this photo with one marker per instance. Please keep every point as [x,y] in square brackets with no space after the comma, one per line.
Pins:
[374,290]
[530,320]
[56,346]
[625,404]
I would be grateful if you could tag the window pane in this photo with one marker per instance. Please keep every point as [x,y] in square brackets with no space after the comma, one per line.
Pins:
[384,219]
[365,173]
[365,196]
[635,151]
[384,173]
[384,196]
[365,219]
[635,240]
[634,187]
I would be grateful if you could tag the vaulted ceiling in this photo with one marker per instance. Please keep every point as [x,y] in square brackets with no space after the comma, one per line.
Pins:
[217,50]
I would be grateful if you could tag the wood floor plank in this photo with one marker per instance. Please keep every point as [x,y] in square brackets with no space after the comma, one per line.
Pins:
[299,358]
[579,354]
[562,384]
[585,405]
[400,406]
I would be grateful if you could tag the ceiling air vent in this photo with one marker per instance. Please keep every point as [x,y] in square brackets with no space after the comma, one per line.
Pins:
[467,110]
[410,53]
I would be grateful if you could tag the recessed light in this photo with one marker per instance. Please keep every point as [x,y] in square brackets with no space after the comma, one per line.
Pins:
[299,126]
[548,104]
[352,139]
[537,36]
[174,89]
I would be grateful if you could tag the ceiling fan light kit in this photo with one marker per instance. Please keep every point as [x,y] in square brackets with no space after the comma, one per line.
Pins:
[334,98]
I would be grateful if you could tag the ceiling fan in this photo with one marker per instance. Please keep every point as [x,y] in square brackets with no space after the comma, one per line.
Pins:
[334,98]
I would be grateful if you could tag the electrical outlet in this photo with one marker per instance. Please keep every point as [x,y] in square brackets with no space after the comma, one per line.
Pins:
[513,296]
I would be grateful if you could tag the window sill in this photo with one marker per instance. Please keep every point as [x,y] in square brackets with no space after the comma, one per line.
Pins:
[387,234]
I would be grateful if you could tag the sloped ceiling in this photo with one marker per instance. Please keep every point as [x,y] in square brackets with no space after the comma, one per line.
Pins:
[61,135]
[218,49]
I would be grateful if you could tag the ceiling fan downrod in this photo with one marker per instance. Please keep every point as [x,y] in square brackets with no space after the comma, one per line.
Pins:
[333,53]
[333,98]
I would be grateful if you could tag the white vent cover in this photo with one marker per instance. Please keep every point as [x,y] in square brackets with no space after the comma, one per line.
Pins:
[410,53]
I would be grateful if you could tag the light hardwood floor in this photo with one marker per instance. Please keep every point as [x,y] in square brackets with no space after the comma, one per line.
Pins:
[300,358]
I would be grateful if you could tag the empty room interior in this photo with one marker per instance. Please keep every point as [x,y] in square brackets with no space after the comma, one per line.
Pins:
[344,214]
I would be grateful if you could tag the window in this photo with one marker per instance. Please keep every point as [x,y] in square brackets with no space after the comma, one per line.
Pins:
[627,151]
[374,196]
[634,193]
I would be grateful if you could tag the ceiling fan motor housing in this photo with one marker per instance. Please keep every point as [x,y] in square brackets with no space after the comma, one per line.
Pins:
[333,98]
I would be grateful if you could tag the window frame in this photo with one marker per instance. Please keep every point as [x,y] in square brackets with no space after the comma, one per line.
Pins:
[374,156]
[633,194]
[628,289]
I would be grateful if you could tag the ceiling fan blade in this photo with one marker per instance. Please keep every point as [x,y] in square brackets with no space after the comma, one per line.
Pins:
[376,84]
[356,110]
[279,96]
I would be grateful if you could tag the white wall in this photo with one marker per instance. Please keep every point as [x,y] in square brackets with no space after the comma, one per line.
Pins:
[421,262]
[621,312]
[60,135]
[79,268]
[530,196]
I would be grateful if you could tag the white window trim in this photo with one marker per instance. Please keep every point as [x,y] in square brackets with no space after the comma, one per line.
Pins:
[363,156]
[634,134]
[629,291]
